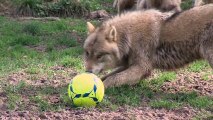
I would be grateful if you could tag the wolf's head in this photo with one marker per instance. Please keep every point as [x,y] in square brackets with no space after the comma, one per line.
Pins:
[100,48]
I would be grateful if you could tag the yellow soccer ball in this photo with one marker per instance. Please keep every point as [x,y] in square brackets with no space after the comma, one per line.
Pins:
[86,90]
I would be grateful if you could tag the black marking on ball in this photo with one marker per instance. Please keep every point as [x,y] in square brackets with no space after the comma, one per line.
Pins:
[71,89]
[95,88]
[95,99]
[77,95]
[86,94]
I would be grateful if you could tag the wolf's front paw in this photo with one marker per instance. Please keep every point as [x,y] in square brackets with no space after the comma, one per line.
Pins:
[108,82]
[104,77]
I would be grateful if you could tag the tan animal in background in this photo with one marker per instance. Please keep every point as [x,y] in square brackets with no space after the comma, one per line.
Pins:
[201,2]
[122,5]
[168,5]
[137,42]
[198,3]
[163,5]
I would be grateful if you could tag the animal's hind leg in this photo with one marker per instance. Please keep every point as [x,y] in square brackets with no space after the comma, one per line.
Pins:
[207,44]
[208,54]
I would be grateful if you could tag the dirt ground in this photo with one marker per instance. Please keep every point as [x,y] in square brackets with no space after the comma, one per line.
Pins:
[138,113]
[185,81]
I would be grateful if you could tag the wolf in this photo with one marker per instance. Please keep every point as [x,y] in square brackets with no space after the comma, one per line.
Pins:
[123,5]
[201,2]
[137,42]
[163,5]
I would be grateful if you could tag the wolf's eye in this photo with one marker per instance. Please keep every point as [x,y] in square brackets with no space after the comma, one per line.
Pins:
[99,56]
[87,53]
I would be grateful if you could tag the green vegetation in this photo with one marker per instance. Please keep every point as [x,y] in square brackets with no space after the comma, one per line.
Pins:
[150,93]
[163,77]
[186,4]
[51,51]
[33,43]
[164,104]
[198,66]
[61,8]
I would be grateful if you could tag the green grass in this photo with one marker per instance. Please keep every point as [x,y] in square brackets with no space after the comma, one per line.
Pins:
[14,99]
[102,4]
[35,47]
[122,96]
[24,39]
[198,66]
[148,92]
[203,115]
[36,95]
[32,28]
[164,104]
[18,52]
[163,77]
[62,8]
[132,95]
[187,4]
[32,70]
[17,44]
[202,102]
[42,104]
[206,76]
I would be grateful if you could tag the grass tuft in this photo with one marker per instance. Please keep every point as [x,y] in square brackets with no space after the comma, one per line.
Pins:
[187,4]
[72,62]
[25,40]
[42,104]
[124,95]
[163,77]
[32,28]
[164,104]
[198,66]
[202,102]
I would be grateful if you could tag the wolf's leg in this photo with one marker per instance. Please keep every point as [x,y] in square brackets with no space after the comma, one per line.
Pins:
[114,72]
[130,76]
[141,5]
[208,53]
[115,3]
[207,44]
[198,3]
[119,7]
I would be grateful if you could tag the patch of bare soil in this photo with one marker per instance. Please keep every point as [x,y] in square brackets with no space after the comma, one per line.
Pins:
[5,7]
[139,113]
[16,78]
[60,76]
[185,81]
[39,18]
[191,81]
[39,48]
[43,48]
[99,14]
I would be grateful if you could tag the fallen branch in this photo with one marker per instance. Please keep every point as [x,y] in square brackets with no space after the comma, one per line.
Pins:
[40,18]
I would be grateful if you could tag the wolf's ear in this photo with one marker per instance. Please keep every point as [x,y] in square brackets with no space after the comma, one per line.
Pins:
[113,34]
[90,28]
